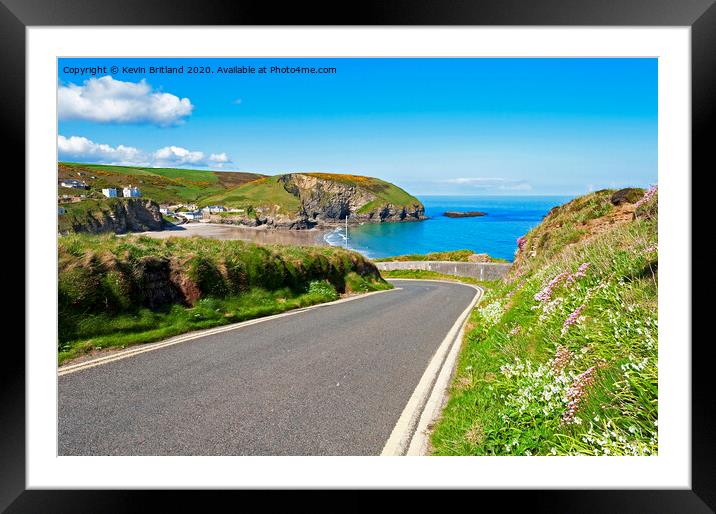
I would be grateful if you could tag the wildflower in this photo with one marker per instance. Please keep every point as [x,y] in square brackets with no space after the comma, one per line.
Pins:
[575,393]
[561,359]
[647,196]
[582,270]
[650,249]
[515,331]
[546,294]
[572,318]
[521,242]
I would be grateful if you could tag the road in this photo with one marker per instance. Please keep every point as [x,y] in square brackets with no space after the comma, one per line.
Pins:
[327,381]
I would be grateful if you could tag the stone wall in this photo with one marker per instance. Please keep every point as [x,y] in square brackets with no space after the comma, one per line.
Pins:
[478,270]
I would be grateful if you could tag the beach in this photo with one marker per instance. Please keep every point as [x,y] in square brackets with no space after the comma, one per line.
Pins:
[259,235]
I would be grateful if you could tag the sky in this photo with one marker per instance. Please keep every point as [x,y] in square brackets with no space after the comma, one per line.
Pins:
[432,126]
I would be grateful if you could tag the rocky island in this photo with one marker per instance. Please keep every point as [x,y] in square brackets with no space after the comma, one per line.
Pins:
[461,214]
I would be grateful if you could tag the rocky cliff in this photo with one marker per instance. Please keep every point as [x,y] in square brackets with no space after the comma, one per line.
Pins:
[118,215]
[306,200]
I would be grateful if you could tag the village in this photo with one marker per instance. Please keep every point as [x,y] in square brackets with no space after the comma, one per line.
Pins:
[177,213]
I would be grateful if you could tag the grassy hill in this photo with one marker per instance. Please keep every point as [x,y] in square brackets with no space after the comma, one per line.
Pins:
[163,185]
[561,358]
[269,192]
[266,192]
[118,291]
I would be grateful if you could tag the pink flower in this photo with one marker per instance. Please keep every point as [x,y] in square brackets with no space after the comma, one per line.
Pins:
[572,318]
[647,196]
[546,294]
[521,242]
[576,393]
[561,359]
[582,270]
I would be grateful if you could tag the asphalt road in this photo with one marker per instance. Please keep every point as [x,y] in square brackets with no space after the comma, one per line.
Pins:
[326,381]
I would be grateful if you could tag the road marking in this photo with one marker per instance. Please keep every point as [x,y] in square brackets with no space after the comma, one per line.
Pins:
[131,352]
[410,434]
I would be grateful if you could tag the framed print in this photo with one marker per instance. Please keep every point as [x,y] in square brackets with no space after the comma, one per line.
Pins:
[442,247]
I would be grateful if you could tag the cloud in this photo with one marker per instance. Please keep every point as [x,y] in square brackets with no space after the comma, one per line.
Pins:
[81,149]
[492,183]
[106,100]
[178,156]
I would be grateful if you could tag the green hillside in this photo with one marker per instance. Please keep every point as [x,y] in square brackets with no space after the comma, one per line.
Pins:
[562,358]
[164,185]
[270,193]
[263,192]
[119,291]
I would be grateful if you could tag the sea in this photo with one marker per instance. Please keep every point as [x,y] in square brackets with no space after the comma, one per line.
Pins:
[508,217]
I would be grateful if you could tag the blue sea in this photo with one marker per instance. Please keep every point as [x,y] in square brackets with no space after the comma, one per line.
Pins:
[508,217]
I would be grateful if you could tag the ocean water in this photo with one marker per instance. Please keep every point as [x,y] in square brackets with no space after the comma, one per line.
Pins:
[508,217]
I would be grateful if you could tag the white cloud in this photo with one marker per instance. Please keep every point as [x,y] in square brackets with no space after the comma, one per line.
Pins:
[491,183]
[81,149]
[219,159]
[106,100]
[178,156]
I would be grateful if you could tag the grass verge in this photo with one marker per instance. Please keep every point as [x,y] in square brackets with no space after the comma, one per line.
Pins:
[562,358]
[119,291]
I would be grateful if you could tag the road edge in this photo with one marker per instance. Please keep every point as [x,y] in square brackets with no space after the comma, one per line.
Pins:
[410,434]
[189,336]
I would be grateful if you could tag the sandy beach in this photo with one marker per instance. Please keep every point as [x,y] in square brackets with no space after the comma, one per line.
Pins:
[256,235]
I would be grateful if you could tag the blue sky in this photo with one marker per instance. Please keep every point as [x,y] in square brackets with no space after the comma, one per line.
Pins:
[432,126]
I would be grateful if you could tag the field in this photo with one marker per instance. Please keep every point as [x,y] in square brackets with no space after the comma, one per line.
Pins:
[561,359]
[163,185]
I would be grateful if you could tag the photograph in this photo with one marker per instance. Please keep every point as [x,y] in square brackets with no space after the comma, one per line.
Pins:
[357,256]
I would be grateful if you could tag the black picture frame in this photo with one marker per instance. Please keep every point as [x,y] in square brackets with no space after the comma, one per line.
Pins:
[700,15]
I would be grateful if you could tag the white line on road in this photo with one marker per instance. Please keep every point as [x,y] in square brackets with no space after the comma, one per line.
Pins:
[410,435]
[131,352]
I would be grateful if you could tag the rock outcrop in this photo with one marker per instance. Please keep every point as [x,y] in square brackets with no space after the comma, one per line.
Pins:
[461,214]
[323,201]
[120,215]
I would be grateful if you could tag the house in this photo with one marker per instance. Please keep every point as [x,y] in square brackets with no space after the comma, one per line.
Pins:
[131,192]
[109,192]
[165,209]
[191,215]
[213,209]
[74,183]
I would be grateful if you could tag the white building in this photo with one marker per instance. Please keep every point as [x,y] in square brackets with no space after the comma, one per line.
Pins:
[73,183]
[131,192]
[191,215]
[213,209]
[109,192]
[165,209]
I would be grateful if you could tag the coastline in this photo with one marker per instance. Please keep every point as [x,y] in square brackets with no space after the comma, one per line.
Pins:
[261,235]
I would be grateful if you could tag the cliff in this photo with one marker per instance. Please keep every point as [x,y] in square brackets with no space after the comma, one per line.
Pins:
[306,200]
[118,215]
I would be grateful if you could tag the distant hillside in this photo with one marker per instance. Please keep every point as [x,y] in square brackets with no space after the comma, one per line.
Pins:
[562,357]
[163,185]
[301,200]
